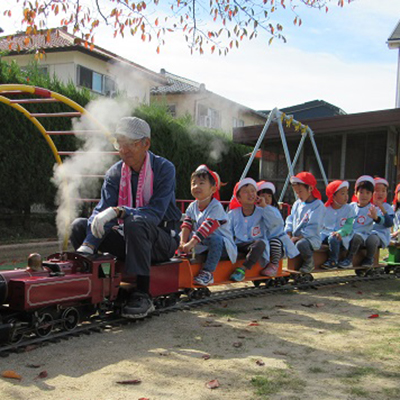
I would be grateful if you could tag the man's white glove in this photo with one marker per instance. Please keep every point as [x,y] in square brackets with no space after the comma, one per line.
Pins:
[100,220]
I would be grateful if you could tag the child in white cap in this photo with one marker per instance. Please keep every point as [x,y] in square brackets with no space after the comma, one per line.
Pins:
[366,214]
[279,242]
[206,224]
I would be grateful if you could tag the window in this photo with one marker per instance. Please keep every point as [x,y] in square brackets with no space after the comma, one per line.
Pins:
[208,117]
[172,109]
[237,123]
[97,82]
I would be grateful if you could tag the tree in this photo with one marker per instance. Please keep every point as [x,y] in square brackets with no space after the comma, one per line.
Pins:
[218,25]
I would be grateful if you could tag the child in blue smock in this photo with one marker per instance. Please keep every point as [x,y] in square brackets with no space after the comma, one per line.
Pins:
[366,214]
[206,224]
[385,219]
[305,222]
[279,242]
[396,209]
[337,230]
[248,227]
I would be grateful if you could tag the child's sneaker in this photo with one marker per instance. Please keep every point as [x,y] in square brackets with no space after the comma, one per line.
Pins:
[270,270]
[346,263]
[307,268]
[367,263]
[238,275]
[204,278]
[329,264]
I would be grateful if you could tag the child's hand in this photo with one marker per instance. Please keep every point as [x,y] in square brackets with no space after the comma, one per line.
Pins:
[261,202]
[373,213]
[337,235]
[295,239]
[394,234]
[187,247]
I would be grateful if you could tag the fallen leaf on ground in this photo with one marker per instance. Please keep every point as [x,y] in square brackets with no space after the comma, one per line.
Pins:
[205,356]
[211,324]
[320,305]
[374,316]
[260,363]
[237,344]
[254,324]
[309,305]
[11,375]
[214,384]
[130,382]
[241,337]
[258,308]
[359,292]
[42,375]
[280,353]
[265,317]
[33,365]
[224,305]
[280,306]
[143,398]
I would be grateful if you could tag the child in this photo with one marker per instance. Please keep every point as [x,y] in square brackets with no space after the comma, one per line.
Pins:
[248,226]
[305,222]
[208,221]
[279,241]
[396,204]
[338,222]
[366,213]
[384,221]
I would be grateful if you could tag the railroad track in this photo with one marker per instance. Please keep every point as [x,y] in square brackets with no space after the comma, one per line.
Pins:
[99,324]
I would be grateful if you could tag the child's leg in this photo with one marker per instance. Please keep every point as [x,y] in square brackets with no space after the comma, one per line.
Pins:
[276,251]
[372,243]
[334,248]
[306,253]
[254,252]
[355,244]
[215,244]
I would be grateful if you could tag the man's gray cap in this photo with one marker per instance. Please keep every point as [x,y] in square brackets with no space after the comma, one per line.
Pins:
[133,128]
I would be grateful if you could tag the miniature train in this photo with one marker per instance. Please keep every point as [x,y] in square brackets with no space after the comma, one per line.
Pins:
[68,288]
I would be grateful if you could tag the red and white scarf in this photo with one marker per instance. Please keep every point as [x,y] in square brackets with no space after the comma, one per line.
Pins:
[145,185]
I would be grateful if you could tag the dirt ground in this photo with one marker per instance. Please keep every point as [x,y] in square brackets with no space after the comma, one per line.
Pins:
[319,344]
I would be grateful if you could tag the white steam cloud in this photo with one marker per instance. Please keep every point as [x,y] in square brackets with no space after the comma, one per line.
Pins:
[89,159]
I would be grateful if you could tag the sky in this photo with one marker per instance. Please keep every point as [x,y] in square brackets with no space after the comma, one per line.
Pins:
[340,57]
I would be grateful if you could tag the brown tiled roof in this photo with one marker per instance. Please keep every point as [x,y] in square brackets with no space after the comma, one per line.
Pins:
[60,41]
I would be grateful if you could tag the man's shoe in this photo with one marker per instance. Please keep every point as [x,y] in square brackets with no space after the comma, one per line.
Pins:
[204,278]
[139,306]
[307,268]
[346,263]
[329,265]
[238,275]
[270,270]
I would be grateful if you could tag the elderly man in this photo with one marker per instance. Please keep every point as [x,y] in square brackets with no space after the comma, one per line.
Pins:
[136,219]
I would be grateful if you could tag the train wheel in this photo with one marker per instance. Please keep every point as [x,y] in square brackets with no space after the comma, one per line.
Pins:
[44,325]
[305,278]
[70,318]
[388,270]
[257,283]
[360,272]
[15,336]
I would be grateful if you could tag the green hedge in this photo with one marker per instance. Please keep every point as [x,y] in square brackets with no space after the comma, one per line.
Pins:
[26,162]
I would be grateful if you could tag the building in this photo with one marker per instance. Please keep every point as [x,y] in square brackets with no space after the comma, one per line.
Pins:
[71,60]
[394,43]
[349,146]
[311,109]
[184,96]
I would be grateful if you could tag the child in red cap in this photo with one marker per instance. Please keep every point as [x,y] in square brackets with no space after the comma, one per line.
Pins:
[305,222]
[206,225]
[337,230]
[396,209]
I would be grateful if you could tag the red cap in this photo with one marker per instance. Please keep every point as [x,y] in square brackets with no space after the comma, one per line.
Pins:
[332,188]
[397,190]
[306,178]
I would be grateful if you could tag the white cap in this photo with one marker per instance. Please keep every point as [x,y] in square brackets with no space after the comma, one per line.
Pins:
[266,185]
[133,128]
[364,178]
[247,181]
[344,184]
[381,180]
